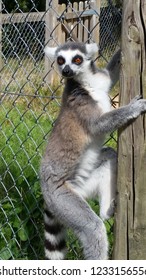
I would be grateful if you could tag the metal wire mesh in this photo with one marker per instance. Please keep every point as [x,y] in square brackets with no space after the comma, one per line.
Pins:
[29,103]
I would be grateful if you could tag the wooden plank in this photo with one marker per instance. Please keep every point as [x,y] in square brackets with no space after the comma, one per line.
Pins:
[23,17]
[81,13]
[130,223]
[61,34]
[80,28]
[94,21]
[86,24]
[69,30]
[69,25]
[51,38]
[75,23]
[138,242]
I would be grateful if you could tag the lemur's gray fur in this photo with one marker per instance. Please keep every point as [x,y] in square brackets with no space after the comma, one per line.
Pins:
[75,165]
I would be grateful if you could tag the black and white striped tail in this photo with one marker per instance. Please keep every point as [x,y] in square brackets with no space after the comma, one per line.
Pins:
[55,248]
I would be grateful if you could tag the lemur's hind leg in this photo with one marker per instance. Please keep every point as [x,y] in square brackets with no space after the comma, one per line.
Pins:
[100,182]
[107,184]
[72,210]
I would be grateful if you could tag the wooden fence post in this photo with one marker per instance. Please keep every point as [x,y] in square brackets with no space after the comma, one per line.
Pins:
[130,217]
[94,23]
[54,35]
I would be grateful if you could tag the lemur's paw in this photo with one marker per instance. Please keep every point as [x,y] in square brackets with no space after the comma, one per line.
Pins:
[138,105]
[135,99]
[105,215]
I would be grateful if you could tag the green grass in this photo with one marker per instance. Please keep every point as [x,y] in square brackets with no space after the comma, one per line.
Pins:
[21,74]
[23,133]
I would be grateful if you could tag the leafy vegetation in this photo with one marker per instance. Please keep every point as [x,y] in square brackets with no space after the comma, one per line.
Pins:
[23,132]
[24,5]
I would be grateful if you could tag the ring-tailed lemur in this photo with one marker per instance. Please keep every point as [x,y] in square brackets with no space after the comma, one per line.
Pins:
[75,166]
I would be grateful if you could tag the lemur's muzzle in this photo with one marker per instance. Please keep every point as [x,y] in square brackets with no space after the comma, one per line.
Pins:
[67,72]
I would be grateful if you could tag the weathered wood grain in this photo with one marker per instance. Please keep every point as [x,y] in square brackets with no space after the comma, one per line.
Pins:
[130,217]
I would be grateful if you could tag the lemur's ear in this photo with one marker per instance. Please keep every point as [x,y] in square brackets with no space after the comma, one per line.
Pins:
[50,52]
[91,49]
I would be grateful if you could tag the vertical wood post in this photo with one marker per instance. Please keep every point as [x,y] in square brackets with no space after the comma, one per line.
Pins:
[53,36]
[130,217]
[94,24]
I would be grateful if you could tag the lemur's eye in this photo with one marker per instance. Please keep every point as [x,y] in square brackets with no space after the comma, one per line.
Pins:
[60,60]
[77,59]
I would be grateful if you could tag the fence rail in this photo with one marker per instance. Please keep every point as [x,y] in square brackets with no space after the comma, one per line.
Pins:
[22,17]
[29,104]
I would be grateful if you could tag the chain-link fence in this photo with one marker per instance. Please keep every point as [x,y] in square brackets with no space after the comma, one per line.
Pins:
[29,103]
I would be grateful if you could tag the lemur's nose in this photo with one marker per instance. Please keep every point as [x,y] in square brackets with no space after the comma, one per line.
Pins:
[67,71]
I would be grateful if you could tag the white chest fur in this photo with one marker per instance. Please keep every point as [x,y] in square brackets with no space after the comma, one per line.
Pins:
[98,86]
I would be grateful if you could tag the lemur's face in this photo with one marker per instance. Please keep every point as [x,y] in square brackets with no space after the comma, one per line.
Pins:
[71,62]
[72,58]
